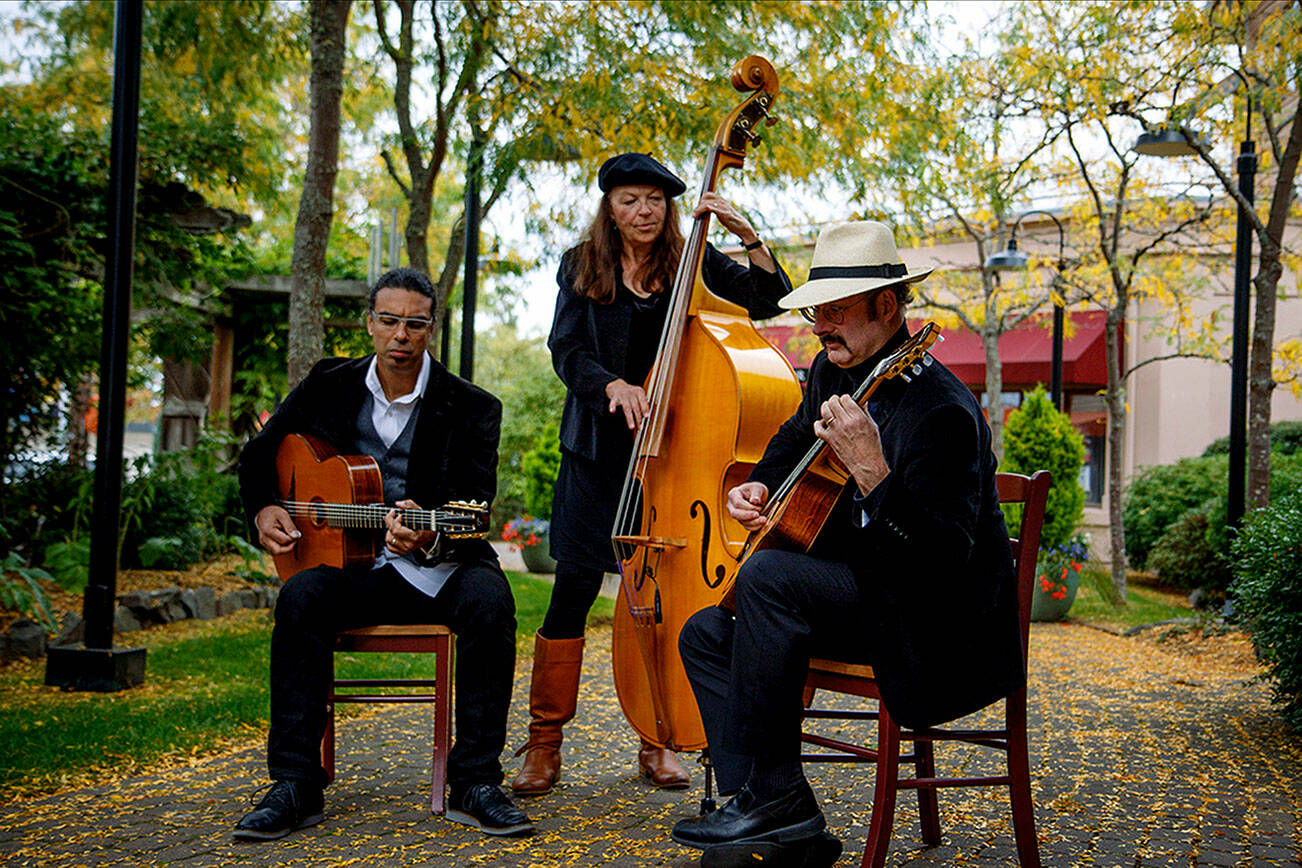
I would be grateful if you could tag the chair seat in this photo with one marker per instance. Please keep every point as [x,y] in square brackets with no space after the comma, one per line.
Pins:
[836,667]
[391,637]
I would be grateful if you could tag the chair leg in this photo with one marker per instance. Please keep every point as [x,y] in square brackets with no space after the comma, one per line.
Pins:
[442,726]
[884,790]
[928,804]
[1019,769]
[328,737]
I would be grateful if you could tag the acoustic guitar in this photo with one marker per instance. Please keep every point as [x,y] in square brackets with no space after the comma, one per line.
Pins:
[337,502]
[800,506]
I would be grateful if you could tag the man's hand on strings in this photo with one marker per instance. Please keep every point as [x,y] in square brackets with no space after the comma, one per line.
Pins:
[746,504]
[400,539]
[631,399]
[854,437]
[276,531]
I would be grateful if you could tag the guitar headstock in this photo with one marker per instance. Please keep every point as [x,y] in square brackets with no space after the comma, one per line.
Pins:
[463,519]
[911,357]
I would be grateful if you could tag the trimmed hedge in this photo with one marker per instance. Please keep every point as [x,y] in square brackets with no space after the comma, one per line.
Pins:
[1038,437]
[1268,588]
[1285,439]
[1161,495]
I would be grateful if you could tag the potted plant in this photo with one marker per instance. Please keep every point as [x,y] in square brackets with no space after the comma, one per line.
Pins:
[1057,578]
[530,536]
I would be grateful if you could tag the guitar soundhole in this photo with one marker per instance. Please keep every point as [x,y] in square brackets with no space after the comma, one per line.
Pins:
[317,512]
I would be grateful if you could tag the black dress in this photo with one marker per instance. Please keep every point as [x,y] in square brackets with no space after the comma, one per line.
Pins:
[593,344]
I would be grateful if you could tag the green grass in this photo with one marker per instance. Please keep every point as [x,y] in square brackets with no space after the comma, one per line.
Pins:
[1143,605]
[205,689]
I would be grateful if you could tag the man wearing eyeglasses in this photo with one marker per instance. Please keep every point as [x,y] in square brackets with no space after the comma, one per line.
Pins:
[911,572]
[435,439]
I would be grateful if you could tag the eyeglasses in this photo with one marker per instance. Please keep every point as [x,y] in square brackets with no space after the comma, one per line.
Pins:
[414,324]
[833,313]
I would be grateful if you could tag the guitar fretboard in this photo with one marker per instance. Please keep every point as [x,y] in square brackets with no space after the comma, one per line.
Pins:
[351,515]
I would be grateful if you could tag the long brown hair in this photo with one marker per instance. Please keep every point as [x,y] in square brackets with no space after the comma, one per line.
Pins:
[601,248]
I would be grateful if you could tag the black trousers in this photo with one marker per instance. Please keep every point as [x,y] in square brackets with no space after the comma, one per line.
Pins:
[314,605]
[748,671]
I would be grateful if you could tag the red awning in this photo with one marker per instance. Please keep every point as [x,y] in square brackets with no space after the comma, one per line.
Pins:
[1027,352]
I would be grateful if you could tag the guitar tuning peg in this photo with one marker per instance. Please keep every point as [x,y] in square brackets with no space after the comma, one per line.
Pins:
[769,119]
[927,359]
[917,369]
[940,339]
[906,378]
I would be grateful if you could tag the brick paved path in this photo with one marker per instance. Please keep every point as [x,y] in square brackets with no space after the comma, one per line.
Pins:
[1139,758]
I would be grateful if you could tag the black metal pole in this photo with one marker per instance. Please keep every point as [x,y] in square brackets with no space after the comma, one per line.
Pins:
[1055,386]
[470,283]
[96,666]
[1247,168]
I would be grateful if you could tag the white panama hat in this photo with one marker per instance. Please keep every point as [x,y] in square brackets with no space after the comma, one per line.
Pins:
[851,258]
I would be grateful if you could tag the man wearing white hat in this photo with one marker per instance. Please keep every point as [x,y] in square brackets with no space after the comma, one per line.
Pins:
[912,572]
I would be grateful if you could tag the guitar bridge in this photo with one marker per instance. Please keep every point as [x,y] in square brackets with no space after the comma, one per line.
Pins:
[655,543]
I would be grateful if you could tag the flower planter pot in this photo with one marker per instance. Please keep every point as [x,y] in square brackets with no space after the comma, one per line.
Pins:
[536,557]
[1053,603]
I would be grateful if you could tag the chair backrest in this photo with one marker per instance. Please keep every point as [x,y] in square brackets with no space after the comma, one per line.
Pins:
[1032,492]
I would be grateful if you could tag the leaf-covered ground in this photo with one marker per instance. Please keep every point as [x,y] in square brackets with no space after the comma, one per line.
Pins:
[1143,754]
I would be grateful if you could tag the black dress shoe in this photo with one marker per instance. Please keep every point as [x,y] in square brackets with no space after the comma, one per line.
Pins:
[487,808]
[287,806]
[791,817]
[820,851]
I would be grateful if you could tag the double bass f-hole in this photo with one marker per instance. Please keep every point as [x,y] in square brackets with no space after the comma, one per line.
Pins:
[719,571]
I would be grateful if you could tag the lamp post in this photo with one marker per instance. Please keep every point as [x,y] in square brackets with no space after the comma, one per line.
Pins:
[1010,258]
[1169,143]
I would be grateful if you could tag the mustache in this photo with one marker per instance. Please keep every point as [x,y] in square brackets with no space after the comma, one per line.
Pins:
[828,340]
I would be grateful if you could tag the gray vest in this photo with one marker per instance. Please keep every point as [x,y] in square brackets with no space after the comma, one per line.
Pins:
[393,460]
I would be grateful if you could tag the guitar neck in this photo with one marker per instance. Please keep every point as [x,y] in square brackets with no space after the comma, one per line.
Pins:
[351,515]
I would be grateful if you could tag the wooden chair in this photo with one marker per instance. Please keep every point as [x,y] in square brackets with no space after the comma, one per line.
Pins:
[858,680]
[426,638]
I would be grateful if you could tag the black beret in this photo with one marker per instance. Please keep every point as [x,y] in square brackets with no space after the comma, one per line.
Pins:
[629,169]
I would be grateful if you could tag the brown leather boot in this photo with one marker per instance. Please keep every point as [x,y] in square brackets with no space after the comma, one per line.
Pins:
[660,766]
[553,694]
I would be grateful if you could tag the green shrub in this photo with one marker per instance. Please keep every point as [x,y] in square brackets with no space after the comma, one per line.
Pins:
[162,553]
[1268,587]
[540,465]
[68,562]
[1158,496]
[21,591]
[1038,437]
[1285,439]
[1187,554]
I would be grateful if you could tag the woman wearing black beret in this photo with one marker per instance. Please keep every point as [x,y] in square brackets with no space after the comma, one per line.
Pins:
[614,295]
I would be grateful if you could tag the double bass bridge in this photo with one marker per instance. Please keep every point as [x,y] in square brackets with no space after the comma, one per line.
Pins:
[651,548]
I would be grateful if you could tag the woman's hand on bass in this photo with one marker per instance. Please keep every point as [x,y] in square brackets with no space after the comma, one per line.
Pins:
[631,399]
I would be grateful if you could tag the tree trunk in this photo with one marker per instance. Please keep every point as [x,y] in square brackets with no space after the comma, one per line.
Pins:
[1116,401]
[1261,382]
[994,389]
[329,21]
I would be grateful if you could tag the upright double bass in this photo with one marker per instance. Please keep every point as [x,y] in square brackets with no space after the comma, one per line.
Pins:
[717,392]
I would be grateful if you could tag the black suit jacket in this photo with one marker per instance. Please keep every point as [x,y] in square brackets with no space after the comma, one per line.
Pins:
[453,450]
[934,565]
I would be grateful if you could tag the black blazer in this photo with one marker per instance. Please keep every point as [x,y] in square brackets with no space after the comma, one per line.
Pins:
[453,450]
[589,341]
[934,565]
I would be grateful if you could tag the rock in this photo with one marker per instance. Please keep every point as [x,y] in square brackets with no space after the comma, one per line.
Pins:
[1206,598]
[125,620]
[71,631]
[250,598]
[273,594]
[5,656]
[172,612]
[162,606]
[200,603]
[1230,611]
[229,603]
[26,639]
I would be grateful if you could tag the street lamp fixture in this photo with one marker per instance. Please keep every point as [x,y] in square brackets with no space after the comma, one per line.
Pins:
[1012,259]
[1163,143]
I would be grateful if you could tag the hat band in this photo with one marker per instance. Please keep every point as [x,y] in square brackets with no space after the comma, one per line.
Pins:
[890,269]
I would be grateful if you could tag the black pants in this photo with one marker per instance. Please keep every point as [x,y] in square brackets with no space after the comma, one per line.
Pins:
[748,671]
[574,590]
[315,604]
